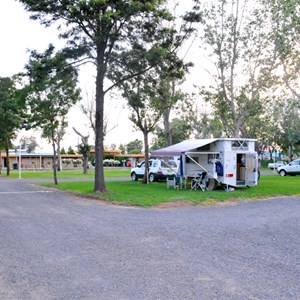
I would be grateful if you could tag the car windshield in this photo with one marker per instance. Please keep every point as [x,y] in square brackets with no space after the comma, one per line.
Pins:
[169,164]
[164,165]
[172,164]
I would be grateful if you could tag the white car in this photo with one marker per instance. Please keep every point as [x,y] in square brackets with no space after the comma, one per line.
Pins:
[276,164]
[158,169]
[293,168]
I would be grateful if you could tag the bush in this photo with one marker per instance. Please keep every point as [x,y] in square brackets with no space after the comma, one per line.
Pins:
[66,161]
[111,163]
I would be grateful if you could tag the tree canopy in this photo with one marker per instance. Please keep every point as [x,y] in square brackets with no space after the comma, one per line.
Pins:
[11,108]
[96,31]
[253,46]
[50,94]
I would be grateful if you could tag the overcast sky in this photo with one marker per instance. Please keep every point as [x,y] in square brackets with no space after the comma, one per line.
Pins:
[18,34]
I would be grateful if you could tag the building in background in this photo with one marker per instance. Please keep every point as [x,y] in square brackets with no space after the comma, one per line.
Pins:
[38,160]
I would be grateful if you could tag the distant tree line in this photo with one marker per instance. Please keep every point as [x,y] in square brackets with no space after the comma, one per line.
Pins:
[137,46]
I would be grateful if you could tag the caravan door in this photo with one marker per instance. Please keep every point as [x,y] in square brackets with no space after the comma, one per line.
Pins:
[251,174]
[229,163]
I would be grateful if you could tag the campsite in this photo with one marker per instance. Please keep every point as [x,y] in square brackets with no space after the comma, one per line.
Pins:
[228,161]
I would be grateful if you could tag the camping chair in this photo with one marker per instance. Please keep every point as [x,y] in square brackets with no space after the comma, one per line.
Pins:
[199,182]
[174,181]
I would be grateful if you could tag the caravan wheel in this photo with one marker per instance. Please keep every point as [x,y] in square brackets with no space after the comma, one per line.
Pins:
[211,184]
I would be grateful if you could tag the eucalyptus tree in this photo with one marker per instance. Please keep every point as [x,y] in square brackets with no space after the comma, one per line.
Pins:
[171,97]
[205,125]
[289,138]
[235,36]
[95,31]
[182,31]
[10,114]
[285,35]
[146,92]
[51,92]
[145,104]
[155,61]
[181,130]
[55,134]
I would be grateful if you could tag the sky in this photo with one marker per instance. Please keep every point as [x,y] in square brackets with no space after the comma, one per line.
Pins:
[19,33]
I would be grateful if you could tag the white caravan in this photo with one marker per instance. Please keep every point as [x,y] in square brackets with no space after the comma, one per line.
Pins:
[229,161]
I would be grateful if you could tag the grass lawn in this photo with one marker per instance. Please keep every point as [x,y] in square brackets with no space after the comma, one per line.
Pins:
[70,173]
[139,194]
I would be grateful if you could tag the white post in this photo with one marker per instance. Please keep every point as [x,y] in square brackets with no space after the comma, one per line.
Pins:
[20,161]
[60,162]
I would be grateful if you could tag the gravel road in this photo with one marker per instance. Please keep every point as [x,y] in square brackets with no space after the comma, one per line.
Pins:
[57,246]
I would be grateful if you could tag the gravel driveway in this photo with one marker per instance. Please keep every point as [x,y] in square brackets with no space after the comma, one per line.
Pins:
[57,246]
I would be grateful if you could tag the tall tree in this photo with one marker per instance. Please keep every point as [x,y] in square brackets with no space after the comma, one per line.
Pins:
[171,96]
[181,130]
[284,32]
[289,137]
[50,94]
[54,134]
[205,125]
[96,30]
[182,29]
[145,104]
[10,114]
[148,93]
[236,33]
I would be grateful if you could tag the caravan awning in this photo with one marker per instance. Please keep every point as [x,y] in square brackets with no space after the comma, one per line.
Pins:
[178,149]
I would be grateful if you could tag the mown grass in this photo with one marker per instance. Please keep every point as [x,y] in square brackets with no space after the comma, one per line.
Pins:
[139,194]
[70,173]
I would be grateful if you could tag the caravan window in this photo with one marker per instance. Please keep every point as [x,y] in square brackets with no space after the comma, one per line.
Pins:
[189,160]
[212,157]
[239,145]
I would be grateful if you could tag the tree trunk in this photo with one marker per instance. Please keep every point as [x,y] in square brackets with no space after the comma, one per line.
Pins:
[237,127]
[290,153]
[146,146]
[54,160]
[270,152]
[166,117]
[99,185]
[59,167]
[7,160]
[85,163]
